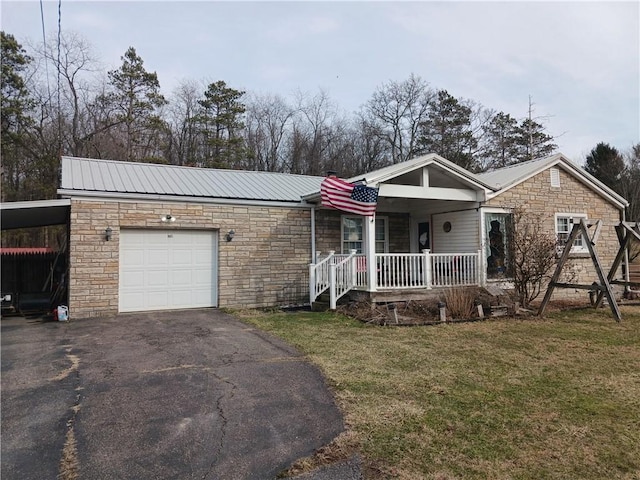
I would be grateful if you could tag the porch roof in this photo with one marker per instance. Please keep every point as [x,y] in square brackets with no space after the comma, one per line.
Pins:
[381,178]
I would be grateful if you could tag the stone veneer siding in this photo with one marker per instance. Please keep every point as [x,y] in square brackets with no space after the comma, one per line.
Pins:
[537,195]
[266,264]
[328,231]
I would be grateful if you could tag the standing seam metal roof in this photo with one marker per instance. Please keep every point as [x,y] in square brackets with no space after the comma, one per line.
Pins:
[110,176]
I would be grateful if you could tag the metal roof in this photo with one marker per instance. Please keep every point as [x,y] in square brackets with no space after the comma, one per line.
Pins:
[504,178]
[109,176]
[36,213]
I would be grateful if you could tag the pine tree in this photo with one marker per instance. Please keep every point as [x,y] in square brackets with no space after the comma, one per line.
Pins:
[606,164]
[447,130]
[15,105]
[136,98]
[500,146]
[221,123]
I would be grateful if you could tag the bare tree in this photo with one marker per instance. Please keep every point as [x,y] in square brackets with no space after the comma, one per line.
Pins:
[268,122]
[397,109]
[533,253]
[315,134]
[77,68]
[629,186]
[181,116]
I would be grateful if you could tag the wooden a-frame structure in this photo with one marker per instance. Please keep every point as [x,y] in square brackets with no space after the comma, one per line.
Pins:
[626,231]
[604,287]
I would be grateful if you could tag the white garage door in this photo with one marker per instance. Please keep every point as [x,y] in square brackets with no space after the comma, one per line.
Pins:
[167,269]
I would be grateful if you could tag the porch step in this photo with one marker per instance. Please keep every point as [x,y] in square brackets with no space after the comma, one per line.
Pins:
[323,302]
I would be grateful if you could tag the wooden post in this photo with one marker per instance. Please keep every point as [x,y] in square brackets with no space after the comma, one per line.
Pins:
[443,311]
[603,280]
[624,241]
[556,275]
[604,286]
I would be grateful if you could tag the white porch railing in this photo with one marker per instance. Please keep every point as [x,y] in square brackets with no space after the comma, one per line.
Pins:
[341,273]
[428,270]
[342,278]
[456,269]
[319,276]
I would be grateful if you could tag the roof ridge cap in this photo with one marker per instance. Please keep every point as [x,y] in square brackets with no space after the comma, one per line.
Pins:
[189,167]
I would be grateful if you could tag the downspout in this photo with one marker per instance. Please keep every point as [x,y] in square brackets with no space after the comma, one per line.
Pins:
[313,235]
[627,277]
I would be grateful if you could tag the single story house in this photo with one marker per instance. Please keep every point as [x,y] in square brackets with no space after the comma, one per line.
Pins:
[149,237]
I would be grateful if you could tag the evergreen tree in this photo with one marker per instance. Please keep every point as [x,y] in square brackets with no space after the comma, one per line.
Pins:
[15,105]
[136,98]
[533,141]
[447,130]
[606,164]
[221,124]
[500,146]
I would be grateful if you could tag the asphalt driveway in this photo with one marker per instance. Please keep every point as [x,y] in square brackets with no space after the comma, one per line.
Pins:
[172,395]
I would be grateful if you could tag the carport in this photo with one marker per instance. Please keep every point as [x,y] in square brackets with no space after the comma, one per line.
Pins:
[46,289]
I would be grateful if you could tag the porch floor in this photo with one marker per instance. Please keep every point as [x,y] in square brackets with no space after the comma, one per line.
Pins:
[398,295]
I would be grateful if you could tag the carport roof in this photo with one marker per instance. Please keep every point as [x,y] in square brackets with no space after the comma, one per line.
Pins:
[115,177]
[38,213]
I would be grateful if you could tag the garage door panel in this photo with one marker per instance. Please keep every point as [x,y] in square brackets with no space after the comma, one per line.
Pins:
[181,278]
[182,257]
[156,279]
[201,277]
[132,279]
[133,257]
[157,257]
[167,269]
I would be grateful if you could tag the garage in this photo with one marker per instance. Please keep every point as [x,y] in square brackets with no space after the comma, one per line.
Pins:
[167,269]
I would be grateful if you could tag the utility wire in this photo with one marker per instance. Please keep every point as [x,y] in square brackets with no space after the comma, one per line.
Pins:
[58,89]
[44,43]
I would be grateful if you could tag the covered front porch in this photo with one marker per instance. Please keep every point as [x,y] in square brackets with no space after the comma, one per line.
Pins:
[340,273]
[431,229]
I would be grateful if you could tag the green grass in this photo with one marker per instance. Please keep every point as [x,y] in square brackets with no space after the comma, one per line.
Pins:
[527,399]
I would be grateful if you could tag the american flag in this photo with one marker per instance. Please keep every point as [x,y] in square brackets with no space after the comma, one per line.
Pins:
[349,197]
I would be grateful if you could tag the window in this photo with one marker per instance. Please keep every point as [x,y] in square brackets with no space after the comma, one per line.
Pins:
[353,234]
[497,244]
[564,224]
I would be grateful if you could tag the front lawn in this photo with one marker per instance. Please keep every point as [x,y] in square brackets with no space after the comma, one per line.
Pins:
[528,399]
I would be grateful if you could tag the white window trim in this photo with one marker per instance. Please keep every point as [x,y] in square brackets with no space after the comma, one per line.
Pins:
[571,216]
[364,231]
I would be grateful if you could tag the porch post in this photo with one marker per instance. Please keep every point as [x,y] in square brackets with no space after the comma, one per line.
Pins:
[370,252]
[312,282]
[426,268]
[482,270]
[332,287]
[353,267]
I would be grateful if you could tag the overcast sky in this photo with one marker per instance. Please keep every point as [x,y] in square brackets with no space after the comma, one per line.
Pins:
[580,61]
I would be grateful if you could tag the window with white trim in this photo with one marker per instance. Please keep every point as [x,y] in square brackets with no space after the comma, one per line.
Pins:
[564,224]
[353,235]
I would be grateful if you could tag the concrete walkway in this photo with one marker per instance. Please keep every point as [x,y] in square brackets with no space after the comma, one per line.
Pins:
[188,394]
